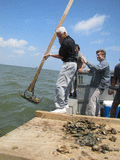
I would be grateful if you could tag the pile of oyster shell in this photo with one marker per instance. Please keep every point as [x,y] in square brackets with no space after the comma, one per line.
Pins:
[87,133]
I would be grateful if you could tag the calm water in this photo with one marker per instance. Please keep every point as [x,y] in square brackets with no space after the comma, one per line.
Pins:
[15,110]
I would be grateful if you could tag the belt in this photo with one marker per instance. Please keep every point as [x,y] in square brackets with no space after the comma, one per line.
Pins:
[70,61]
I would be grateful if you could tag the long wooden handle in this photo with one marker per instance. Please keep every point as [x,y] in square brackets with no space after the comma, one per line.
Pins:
[32,85]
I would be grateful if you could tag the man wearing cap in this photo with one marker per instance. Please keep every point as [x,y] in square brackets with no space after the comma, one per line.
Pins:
[67,55]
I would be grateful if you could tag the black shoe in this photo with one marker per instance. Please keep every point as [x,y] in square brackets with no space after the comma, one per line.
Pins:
[70,94]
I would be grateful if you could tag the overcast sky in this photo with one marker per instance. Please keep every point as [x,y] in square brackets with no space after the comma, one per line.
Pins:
[27,26]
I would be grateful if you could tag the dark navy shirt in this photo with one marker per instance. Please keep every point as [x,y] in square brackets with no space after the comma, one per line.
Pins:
[67,49]
[117,72]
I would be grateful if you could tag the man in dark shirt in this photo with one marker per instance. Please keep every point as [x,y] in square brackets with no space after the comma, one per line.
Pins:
[67,55]
[80,67]
[116,100]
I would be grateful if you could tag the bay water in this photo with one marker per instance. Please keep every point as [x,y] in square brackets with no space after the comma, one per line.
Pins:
[15,110]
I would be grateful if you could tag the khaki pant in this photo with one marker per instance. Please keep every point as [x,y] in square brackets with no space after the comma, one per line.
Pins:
[93,107]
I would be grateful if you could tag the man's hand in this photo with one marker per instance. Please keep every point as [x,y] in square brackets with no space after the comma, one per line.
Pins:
[80,70]
[88,70]
[46,56]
